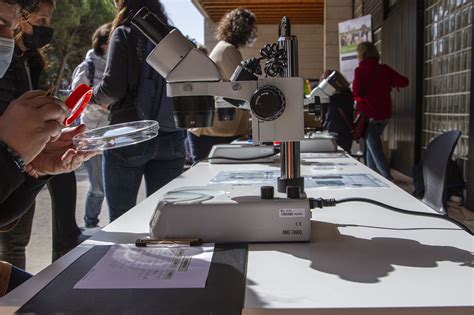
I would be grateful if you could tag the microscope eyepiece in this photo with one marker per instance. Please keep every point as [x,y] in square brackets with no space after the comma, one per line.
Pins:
[150,25]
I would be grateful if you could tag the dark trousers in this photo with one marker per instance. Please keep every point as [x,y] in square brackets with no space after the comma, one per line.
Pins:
[201,146]
[62,189]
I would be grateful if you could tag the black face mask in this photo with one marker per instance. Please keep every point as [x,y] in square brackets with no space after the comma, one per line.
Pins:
[41,37]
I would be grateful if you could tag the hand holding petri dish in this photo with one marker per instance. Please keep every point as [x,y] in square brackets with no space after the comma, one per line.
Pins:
[110,137]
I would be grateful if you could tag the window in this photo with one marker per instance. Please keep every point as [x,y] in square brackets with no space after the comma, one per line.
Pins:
[447,71]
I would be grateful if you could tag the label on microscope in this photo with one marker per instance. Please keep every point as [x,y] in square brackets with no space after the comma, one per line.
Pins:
[292,213]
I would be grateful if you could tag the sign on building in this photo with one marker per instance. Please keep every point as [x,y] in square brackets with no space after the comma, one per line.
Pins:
[352,33]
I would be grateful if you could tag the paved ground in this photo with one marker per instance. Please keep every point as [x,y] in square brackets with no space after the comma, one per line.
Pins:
[38,253]
[39,249]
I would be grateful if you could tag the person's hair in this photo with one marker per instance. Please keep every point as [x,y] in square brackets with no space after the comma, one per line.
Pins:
[126,9]
[203,48]
[367,50]
[24,4]
[34,56]
[28,11]
[237,27]
[101,38]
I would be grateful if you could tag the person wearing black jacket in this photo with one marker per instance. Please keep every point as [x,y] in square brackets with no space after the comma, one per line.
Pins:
[32,143]
[23,75]
[338,117]
[136,92]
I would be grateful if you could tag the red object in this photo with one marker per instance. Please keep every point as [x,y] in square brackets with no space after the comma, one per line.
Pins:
[83,94]
[374,100]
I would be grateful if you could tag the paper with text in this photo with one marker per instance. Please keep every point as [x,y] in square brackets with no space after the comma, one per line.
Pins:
[126,266]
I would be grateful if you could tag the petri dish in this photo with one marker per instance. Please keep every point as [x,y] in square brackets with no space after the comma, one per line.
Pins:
[116,136]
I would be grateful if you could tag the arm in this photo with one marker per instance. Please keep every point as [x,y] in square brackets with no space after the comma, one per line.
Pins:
[17,190]
[20,200]
[11,177]
[356,85]
[396,79]
[114,82]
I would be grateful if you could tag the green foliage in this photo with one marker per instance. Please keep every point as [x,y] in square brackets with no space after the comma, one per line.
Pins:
[74,22]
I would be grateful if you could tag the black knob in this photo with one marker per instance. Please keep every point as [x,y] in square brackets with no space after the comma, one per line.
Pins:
[293,192]
[267,103]
[267,192]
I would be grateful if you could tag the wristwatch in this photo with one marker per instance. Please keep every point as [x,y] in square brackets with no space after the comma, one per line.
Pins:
[16,158]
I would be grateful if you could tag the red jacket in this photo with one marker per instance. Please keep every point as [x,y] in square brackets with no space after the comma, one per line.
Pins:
[375,101]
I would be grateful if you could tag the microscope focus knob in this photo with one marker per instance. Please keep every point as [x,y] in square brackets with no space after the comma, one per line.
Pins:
[267,103]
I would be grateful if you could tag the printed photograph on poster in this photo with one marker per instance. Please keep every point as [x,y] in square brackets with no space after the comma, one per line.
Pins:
[351,34]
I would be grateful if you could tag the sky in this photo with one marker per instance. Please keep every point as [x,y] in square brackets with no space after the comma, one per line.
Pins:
[186,17]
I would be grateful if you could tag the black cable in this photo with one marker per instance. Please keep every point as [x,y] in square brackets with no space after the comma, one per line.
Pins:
[320,203]
[236,159]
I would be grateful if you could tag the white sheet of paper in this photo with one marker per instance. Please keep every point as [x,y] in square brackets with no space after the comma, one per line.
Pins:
[126,266]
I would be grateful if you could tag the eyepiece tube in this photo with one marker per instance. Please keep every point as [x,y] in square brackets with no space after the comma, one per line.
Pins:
[150,25]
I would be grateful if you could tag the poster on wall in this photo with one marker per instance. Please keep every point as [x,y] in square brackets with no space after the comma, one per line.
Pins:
[352,33]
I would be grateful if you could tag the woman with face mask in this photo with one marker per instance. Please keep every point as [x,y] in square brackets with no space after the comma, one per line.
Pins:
[34,32]
[235,30]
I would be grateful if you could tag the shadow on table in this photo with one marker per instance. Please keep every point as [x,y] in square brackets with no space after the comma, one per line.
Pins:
[366,260]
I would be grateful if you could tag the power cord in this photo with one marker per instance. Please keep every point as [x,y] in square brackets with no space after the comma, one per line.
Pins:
[320,203]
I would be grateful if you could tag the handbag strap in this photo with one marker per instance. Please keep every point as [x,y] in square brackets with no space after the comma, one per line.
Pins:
[346,120]
[372,79]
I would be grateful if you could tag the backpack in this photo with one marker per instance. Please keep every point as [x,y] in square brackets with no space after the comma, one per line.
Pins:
[150,89]
[90,71]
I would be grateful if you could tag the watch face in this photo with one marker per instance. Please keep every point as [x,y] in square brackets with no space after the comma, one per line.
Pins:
[116,136]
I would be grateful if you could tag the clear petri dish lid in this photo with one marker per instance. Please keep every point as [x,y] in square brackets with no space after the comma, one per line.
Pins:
[116,136]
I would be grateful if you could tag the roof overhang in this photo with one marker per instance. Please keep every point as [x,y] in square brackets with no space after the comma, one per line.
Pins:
[267,11]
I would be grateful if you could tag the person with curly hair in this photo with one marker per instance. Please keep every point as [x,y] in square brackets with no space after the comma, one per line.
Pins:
[235,30]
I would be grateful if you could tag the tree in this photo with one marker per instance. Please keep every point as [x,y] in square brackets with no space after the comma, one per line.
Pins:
[74,22]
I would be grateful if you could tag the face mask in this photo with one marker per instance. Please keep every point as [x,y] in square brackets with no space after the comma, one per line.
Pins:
[7,46]
[41,37]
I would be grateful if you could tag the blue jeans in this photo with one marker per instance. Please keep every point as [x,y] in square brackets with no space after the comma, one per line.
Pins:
[160,160]
[95,194]
[374,155]
[17,277]
[201,146]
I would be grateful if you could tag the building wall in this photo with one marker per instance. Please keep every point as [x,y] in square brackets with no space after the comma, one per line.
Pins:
[335,11]
[399,51]
[447,79]
[310,44]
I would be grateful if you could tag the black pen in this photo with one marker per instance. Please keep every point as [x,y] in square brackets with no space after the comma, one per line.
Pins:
[189,242]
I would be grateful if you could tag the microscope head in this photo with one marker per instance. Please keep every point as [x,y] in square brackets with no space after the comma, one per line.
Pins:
[176,59]
[333,84]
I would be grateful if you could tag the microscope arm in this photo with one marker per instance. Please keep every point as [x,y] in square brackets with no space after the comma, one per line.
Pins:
[241,90]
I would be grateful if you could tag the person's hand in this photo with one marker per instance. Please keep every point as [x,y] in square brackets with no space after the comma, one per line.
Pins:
[30,122]
[60,156]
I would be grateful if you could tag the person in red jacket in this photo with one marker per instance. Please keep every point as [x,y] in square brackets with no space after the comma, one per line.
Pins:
[371,87]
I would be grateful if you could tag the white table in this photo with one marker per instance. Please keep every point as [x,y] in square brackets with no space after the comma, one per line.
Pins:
[362,259]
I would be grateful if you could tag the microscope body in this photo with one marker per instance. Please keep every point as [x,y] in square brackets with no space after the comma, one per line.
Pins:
[275,103]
